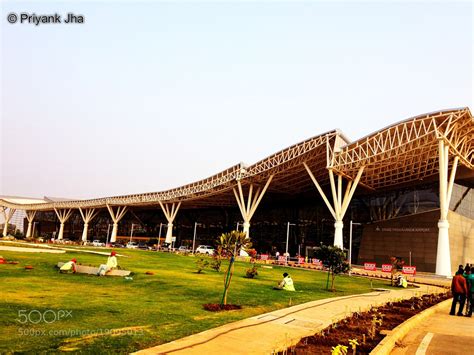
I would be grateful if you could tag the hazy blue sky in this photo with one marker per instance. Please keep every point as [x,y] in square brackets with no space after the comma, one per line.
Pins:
[147,96]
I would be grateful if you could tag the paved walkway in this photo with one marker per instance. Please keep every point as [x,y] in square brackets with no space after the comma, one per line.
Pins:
[45,248]
[440,334]
[31,250]
[276,331]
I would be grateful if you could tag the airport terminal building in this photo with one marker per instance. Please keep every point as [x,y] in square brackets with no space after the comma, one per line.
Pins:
[405,190]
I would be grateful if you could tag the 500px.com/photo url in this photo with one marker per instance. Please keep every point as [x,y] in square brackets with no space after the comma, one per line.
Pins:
[34,19]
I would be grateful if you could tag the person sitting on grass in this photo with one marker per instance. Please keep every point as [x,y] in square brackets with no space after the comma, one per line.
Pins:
[111,264]
[286,284]
[402,281]
[68,267]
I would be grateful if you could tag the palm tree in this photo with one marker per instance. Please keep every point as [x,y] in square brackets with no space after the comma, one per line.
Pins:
[231,244]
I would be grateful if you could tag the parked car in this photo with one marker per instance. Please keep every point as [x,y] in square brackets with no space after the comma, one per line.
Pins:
[117,245]
[183,249]
[205,249]
[98,243]
[132,245]
[143,246]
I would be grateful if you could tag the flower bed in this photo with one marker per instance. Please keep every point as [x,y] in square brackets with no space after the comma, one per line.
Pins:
[215,307]
[361,332]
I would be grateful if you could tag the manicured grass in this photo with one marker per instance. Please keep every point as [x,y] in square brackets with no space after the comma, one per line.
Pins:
[163,306]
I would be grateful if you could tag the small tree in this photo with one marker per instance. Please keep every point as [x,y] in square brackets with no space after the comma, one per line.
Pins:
[334,259]
[252,272]
[231,244]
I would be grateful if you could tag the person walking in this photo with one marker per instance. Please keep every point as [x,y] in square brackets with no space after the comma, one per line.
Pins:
[459,290]
[470,289]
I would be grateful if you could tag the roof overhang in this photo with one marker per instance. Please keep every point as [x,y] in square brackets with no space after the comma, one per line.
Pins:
[399,154]
[408,151]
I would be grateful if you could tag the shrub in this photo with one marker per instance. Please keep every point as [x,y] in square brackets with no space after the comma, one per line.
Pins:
[201,264]
[216,263]
[252,272]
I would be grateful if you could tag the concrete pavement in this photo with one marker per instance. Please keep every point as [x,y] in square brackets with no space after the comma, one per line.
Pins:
[278,330]
[439,334]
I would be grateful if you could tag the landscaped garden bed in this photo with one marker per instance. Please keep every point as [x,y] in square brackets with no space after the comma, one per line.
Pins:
[216,307]
[361,332]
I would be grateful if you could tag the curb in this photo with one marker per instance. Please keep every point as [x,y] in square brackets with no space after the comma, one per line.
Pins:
[399,332]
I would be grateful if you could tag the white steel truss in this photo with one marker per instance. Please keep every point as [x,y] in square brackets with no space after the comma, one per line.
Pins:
[63,216]
[207,191]
[30,216]
[248,209]
[446,182]
[408,151]
[116,217]
[170,214]
[6,217]
[87,215]
[402,153]
[340,204]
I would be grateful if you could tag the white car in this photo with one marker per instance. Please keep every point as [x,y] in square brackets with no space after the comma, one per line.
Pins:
[205,249]
[132,245]
[97,243]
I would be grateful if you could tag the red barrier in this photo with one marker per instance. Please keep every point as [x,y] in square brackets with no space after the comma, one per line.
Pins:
[387,267]
[409,270]
[264,257]
[370,266]
[317,262]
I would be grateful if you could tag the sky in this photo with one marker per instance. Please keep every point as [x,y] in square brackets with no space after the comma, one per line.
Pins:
[146,96]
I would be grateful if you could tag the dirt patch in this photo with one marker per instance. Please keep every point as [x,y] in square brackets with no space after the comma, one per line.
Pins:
[367,328]
[215,307]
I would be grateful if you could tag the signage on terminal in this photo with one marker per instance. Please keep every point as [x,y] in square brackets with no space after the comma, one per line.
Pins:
[409,270]
[370,266]
[317,262]
[403,229]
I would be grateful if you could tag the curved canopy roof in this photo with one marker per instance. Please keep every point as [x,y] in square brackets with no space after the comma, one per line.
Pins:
[398,154]
[408,151]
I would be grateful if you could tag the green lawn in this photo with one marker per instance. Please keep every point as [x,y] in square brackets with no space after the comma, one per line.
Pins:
[163,306]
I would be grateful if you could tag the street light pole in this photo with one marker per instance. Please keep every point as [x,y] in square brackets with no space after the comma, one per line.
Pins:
[194,236]
[108,230]
[33,232]
[350,242]
[238,224]
[288,236]
[159,234]
[131,232]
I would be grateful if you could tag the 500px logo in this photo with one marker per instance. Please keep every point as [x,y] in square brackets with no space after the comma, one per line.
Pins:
[49,316]
[37,20]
